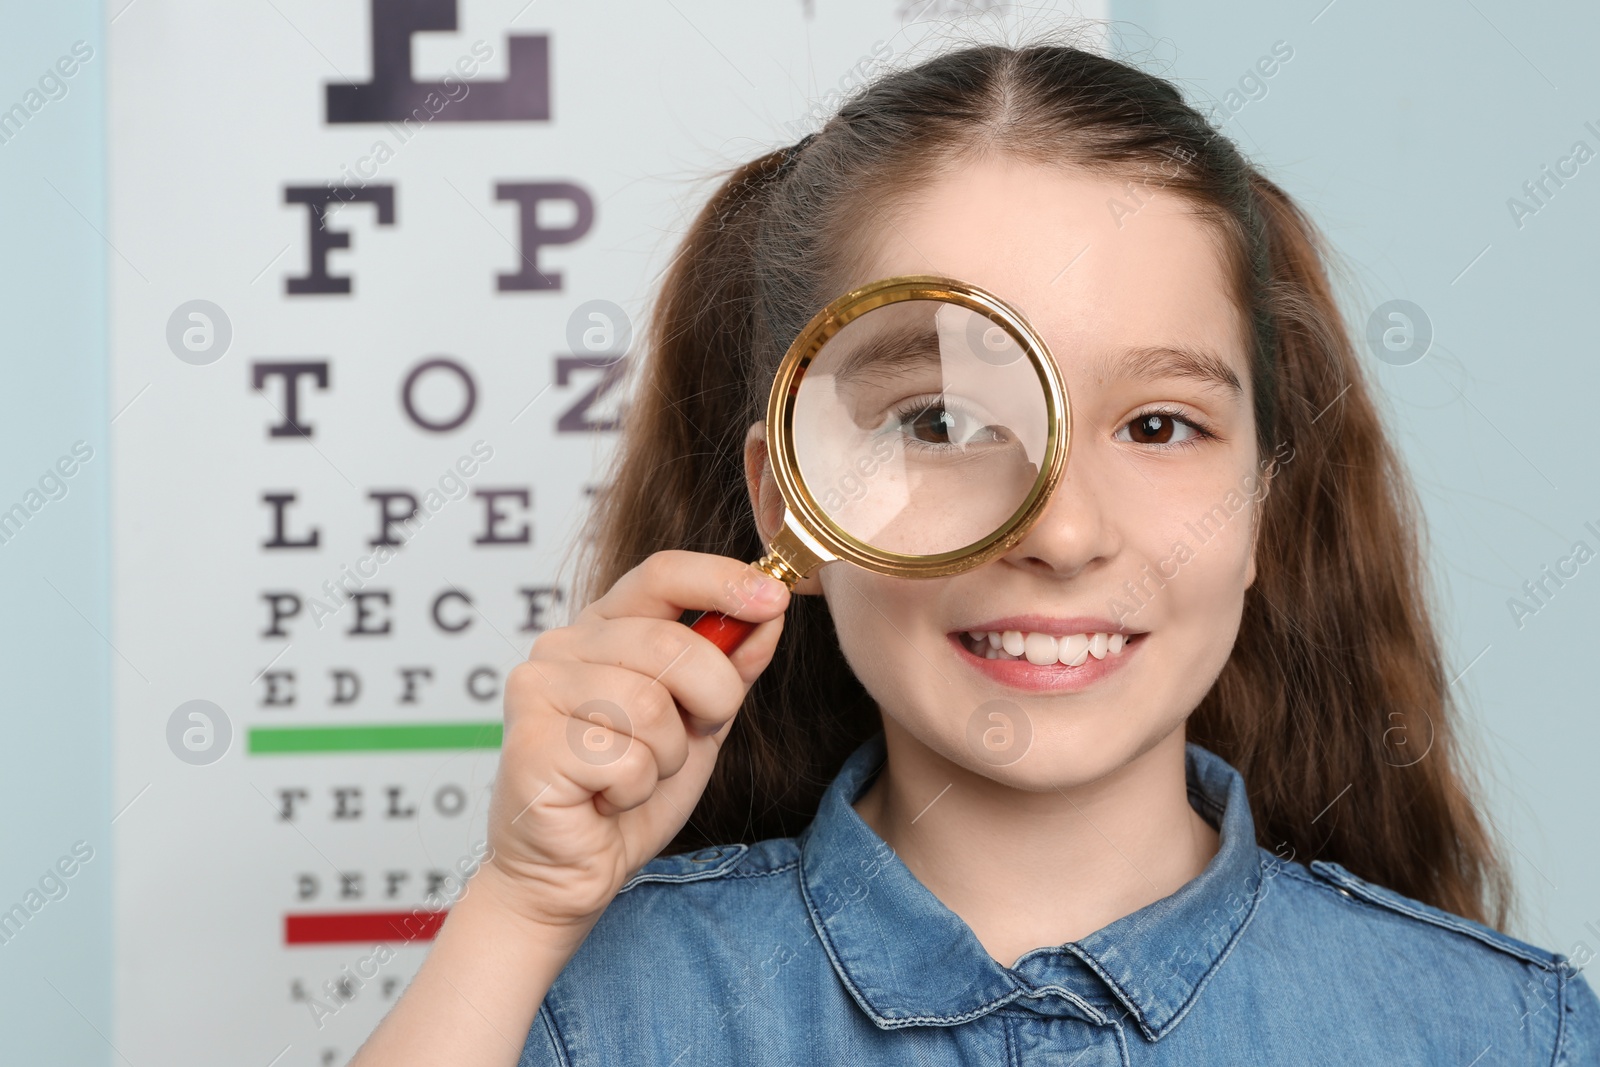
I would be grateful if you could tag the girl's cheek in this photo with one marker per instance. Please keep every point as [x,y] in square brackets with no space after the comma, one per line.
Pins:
[1206,591]
[872,614]
[850,598]
[1186,550]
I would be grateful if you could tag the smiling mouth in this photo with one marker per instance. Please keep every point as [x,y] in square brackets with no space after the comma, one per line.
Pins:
[1070,650]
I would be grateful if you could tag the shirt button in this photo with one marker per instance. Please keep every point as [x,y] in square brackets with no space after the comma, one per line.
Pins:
[706,855]
[1344,892]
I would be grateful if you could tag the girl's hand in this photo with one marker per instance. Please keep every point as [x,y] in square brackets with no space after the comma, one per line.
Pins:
[612,727]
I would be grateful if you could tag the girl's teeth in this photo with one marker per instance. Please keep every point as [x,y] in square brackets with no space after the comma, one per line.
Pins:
[1039,648]
[1043,649]
[1074,649]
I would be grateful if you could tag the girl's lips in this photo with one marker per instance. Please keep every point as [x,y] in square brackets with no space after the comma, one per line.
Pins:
[1053,677]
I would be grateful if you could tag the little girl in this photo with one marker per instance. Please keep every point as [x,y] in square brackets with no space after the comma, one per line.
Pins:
[910,821]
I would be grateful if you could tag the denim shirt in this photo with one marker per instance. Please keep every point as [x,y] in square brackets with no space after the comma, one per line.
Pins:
[826,950]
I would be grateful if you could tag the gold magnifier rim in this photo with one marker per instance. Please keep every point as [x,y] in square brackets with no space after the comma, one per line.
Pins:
[803,509]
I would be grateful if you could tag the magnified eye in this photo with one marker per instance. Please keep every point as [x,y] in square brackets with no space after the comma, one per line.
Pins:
[942,423]
[1159,428]
[936,425]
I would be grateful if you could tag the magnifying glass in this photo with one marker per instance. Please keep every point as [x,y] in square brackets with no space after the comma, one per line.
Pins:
[916,428]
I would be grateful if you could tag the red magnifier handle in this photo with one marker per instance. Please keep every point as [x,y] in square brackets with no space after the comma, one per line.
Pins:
[724,631]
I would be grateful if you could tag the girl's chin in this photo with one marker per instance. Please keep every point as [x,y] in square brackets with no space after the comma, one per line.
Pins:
[1042,745]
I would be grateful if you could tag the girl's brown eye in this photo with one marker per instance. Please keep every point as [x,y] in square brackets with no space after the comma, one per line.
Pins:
[1152,429]
[934,424]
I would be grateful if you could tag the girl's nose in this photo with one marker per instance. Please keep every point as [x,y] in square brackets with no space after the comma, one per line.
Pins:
[1077,530]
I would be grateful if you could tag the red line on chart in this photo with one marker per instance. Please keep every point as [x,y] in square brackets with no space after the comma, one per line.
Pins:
[343,927]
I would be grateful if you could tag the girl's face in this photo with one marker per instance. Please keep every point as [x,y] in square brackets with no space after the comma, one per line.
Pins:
[1148,539]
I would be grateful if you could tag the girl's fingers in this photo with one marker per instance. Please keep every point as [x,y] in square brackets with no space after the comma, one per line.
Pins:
[671,582]
[619,767]
[597,710]
[602,751]
[706,685]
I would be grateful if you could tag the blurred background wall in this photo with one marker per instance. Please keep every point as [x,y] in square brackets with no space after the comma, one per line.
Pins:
[55,765]
[1422,138]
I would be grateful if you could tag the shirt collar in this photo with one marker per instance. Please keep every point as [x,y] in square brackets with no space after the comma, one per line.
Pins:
[909,960]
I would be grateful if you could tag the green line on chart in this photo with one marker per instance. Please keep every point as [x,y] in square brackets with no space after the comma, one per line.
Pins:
[283,740]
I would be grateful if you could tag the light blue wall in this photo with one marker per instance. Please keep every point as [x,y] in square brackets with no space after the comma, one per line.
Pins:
[55,764]
[1405,128]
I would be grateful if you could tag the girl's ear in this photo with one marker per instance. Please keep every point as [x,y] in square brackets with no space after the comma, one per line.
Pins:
[765,500]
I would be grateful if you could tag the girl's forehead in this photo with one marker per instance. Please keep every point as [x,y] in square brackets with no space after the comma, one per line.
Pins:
[1090,260]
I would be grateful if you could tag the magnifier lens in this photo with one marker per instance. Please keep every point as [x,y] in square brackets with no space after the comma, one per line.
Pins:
[920,427]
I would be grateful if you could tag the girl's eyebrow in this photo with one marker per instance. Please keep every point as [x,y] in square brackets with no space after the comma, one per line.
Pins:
[1152,362]
[892,351]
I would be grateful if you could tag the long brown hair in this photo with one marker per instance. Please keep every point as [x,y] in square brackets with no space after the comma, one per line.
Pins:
[1334,704]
